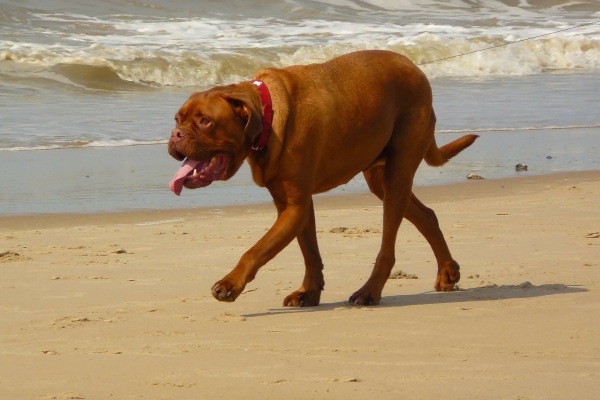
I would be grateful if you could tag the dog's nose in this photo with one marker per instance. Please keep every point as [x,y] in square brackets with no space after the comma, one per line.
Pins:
[177,134]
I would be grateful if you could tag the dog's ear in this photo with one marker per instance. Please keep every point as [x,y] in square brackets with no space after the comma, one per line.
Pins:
[244,109]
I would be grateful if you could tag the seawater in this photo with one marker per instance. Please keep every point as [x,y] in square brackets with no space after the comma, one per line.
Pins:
[91,180]
[83,85]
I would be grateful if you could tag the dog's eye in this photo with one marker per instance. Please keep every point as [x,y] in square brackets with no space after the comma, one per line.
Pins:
[204,122]
[176,121]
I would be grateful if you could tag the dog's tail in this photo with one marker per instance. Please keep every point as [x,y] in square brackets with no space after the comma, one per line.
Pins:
[439,156]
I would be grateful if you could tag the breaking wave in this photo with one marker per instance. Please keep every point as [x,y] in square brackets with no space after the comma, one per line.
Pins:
[113,54]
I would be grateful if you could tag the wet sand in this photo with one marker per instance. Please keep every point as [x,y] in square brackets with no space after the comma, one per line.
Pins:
[118,305]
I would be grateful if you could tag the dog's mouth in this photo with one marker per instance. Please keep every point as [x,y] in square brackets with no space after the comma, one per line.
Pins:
[195,174]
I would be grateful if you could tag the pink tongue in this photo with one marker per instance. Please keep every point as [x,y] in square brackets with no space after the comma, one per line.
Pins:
[176,184]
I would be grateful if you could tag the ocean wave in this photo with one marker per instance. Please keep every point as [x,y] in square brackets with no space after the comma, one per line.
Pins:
[524,8]
[294,9]
[97,74]
[128,143]
[127,68]
[136,47]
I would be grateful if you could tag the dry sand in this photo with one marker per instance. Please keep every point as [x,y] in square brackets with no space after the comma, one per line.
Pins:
[118,305]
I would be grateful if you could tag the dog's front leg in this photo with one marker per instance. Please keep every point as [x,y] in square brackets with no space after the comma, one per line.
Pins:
[309,294]
[290,221]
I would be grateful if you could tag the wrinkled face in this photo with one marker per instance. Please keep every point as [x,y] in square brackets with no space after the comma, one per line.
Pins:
[209,135]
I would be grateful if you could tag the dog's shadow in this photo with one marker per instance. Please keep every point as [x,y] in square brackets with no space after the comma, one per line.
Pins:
[487,293]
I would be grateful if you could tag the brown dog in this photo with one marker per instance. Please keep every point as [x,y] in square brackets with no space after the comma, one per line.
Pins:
[368,112]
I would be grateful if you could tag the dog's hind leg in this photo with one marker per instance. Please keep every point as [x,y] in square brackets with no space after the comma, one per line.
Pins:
[309,293]
[403,154]
[426,222]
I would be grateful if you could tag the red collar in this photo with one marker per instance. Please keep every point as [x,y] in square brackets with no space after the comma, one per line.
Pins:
[265,99]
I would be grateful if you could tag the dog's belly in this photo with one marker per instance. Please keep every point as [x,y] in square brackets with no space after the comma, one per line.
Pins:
[337,171]
[333,182]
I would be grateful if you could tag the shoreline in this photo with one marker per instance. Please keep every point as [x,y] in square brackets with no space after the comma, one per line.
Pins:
[429,194]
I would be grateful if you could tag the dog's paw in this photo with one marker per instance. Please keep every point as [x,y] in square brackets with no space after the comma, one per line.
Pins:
[365,297]
[225,291]
[310,298]
[447,277]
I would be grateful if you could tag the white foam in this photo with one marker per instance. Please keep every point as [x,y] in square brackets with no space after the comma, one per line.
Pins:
[209,50]
[166,221]
[124,143]
[524,128]
[476,8]
[92,144]
[128,143]
[180,66]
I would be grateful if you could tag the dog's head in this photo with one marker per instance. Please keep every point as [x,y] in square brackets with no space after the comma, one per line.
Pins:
[214,132]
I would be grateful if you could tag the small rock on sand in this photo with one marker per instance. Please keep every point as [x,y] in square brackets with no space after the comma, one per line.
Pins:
[520,167]
[402,275]
[474,177]
[10,256]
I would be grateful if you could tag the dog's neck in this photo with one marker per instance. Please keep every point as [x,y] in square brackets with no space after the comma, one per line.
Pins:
[265,99]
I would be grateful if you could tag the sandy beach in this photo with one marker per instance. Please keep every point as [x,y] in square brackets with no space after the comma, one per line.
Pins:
[105,274]
[118,305]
